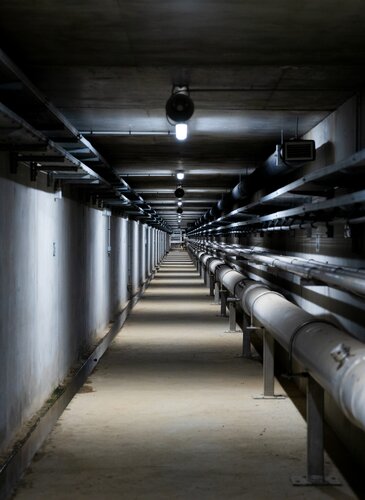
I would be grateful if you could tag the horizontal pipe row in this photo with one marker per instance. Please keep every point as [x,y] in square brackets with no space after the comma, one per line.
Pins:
[345,278]
[331,356]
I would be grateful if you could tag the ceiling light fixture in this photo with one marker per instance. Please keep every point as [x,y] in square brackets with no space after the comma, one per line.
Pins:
[179,203]
[181,131]
[180,176]
[179,109]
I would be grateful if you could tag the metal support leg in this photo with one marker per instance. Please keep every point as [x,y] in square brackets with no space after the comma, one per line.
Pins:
[269,379]
[315,439]
[216,293]
[211,284]
[246,338]
[232,315]
[202,272]
[223,295]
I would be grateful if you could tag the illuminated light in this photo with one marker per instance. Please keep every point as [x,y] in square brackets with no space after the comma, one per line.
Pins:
[180,176]
[181,131]
[179,203]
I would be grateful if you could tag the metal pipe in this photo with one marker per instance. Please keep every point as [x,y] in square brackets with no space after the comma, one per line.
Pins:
[334,358]
[126,132]
[331,356]
[269,169]
[345,278]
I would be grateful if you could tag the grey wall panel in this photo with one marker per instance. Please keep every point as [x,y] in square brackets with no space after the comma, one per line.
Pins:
[134,253]
[119,261]
[59,289]
[143,260]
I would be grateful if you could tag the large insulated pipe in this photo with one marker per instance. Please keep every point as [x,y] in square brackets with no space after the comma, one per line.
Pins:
[249,185]
[258,179]
[334,358]
[331,356]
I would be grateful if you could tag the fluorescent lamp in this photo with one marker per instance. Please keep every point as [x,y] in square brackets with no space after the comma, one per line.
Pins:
[180,176]
[181,131]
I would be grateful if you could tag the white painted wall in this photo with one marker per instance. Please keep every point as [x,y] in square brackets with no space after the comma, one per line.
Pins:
[59,289]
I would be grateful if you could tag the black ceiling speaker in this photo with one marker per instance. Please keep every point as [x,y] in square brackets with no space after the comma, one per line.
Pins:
[179,106]
[179,210]
[179,192]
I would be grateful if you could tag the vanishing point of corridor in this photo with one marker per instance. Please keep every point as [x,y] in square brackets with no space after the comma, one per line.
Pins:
[170,412]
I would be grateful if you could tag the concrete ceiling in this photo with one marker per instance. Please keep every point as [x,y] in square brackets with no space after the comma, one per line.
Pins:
[253,68]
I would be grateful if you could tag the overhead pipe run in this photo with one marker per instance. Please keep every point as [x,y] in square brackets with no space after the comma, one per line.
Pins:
[249,185]
[349,279]
[331,356]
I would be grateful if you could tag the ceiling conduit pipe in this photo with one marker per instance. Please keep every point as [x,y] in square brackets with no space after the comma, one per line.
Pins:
[331,356]
[249,185]
[349,279]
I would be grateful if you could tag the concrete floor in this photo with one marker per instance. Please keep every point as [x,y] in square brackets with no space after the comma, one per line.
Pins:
[169,413]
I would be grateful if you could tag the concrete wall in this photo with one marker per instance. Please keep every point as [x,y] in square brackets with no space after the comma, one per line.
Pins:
[59,289]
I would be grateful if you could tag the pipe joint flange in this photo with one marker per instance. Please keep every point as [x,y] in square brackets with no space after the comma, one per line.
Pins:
[273,262]
[295,334]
